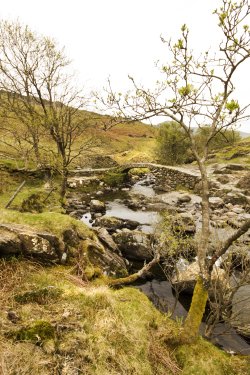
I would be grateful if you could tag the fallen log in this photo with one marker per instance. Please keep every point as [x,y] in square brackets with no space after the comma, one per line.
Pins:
[15,194]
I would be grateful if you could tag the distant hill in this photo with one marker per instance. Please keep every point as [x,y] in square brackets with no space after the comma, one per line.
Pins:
[127,141]
[244,134]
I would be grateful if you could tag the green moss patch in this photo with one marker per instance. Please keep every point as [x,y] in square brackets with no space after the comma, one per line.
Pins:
[38,332]
[202,358]
[41,296]
[139,171]
[114,179]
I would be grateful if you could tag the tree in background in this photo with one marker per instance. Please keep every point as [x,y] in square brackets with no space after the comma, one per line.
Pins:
[38,92]
[197,90]
[224,138]
[172,144]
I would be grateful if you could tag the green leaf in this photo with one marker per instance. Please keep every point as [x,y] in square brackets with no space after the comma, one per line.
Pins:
[233,105]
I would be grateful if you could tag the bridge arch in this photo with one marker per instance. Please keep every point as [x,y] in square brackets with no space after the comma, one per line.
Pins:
[174,177]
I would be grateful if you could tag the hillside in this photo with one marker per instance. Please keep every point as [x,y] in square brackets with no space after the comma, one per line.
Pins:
[54,322]
[67,318]
[129,141]
[237,153]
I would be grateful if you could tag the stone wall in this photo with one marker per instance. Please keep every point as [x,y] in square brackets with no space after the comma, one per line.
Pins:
[166,175]
[172,177]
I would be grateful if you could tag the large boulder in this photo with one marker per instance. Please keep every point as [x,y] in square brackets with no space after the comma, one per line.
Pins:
[184,223]
[107,239]
[134,245]
[18,239]
[240,318]
[223,179]
[108,262]
[186,276]
[244,182]
[97,206]
[113,223]
[216,202]
[185,198]
[236,198]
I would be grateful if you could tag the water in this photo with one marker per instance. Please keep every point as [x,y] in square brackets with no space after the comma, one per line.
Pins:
[158,291]
[140,188]
[147,219]
[162,296]
[116,208]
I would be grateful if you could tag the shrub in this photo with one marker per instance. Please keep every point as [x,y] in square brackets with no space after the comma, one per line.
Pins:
[173,146]
[34,203]
[114,178]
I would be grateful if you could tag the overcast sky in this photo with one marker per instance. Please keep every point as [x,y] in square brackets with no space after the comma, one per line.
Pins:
[120,37]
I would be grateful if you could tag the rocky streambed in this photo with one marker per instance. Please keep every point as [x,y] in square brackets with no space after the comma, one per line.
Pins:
[126,217]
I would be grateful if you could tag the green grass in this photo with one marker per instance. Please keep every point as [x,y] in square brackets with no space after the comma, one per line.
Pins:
[46,221]
[224,155]
[202,358]
[104,332]
[10,181]
[94,329]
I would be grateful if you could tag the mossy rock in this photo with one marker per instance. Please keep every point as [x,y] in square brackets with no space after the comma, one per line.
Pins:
[40,331]
[139,171]
[115,179]
[34,203]
[40,296]
[92,272]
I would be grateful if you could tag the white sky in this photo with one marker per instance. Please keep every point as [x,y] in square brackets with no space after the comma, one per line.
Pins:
[120,37]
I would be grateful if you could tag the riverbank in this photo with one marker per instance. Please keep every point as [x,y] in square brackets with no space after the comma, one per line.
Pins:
[89,329]
[119,331]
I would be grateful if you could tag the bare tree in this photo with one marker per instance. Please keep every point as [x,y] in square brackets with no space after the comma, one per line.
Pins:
[197,91]
[38,91]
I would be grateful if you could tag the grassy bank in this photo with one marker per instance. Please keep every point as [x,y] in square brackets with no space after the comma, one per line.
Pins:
[46,221]
[87,329]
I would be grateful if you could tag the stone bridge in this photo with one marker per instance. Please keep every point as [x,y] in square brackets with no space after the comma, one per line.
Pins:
[172,176]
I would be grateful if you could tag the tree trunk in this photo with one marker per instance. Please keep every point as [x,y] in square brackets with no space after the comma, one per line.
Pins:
[37,151]
[196,311]
[205,231]
[200,295]
[64,184]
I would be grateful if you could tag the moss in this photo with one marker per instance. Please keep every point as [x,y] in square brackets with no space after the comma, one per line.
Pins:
[40,296]
[196,311]
[114,179]
[34,203]
[138,171]
[46,221]
[182,188]
[202,358]
[40,331]
[92,272]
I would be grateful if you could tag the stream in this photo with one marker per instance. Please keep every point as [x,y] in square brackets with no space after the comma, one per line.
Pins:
[160,291]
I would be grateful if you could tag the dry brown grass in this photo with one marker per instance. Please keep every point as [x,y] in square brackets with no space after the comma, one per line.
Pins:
[162,358]
[98,331]
[13,274]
